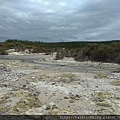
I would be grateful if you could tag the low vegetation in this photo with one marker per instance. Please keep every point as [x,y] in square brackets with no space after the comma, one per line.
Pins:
[67,78]
[108,51]
[101,75]
[101,96]
[115,82]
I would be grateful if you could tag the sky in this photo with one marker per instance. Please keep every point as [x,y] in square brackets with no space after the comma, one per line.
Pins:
[60,20]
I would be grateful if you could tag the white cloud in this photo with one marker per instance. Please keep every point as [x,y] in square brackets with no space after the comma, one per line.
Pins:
[49,11]
[46,3]
[62,4]
[76,24]
[12,20]
[37,1]
[63,28]
[2,27]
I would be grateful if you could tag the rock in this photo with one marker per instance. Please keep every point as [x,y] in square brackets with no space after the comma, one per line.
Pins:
[117,98]
[66,97]
[15,88]
[53,83]
[3,85]
[38,92]
[72,97]
[78,96]
[33,77]
[75,87]
[24,86]
[53,105]
[3,67]
[34,114]
[27,82]
[75,97]
[35,93]
[53,94]
[17,109]
[71,101]
[48,107]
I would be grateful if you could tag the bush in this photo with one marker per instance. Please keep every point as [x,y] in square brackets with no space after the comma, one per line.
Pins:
[103,53]
[3,51]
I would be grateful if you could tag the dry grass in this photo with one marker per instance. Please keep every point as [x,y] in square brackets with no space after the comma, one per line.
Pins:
[67,77]
[101,75]
[115,82]
[100,96]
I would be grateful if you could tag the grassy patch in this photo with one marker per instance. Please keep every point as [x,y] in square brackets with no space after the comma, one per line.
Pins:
[45,76]
[67,78]
[105,103]
[117,88]
[26,102]
[101,75]
[101,96]
[115,82]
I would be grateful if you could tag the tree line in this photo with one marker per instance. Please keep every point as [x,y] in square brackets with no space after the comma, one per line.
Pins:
[105,51]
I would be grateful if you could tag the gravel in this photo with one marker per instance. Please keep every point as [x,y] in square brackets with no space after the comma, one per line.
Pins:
[50,86]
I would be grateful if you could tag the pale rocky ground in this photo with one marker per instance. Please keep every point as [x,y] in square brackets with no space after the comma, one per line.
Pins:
[62,87]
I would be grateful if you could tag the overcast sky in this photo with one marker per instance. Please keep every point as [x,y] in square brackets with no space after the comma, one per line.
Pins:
[60,20]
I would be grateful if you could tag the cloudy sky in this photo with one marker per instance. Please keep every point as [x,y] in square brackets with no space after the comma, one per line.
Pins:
[60,20]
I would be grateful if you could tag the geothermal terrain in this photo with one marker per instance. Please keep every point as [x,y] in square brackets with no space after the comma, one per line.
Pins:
[37,84]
